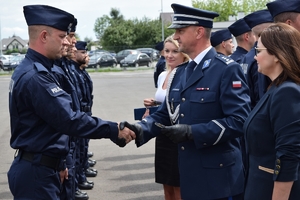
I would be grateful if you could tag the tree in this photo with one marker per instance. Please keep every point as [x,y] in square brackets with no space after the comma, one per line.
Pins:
[226,8]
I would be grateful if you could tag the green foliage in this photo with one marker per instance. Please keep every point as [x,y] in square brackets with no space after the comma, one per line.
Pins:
[225,8]
[115,33]
[8,52]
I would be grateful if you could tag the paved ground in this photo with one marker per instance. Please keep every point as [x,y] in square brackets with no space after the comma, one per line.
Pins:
[123,173]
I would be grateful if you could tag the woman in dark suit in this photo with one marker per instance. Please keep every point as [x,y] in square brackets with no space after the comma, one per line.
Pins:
[272,130]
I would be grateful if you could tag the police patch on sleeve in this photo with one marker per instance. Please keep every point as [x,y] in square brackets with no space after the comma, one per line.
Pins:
[54,90]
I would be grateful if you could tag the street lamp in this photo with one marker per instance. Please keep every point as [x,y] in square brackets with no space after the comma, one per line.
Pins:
[162,23]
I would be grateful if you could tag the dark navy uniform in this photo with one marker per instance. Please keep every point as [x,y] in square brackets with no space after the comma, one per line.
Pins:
[257,82]
[213,104]
[210,165]
[159,68]
[161,63]
[238,28]
[238,54]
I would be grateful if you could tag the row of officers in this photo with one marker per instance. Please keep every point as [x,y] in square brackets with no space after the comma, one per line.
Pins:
[233,142]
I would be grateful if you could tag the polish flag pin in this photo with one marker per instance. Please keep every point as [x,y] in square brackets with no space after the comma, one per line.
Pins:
[236,84]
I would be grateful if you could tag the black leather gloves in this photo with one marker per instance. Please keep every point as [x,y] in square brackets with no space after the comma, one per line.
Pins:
[121,142]
[137,129]
[178,132]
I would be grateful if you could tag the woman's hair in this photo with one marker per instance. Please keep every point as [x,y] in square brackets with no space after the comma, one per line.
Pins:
[283,41]
[175,42]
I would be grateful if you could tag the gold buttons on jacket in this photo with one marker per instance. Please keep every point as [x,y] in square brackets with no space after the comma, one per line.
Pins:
[277,166]
[278,161]
[276,172]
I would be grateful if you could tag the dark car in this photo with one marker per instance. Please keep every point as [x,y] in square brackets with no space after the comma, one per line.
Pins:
[152,53]
[122,54]
[102,60]
[136,60]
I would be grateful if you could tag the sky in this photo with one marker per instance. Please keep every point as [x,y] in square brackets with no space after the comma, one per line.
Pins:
[12,21]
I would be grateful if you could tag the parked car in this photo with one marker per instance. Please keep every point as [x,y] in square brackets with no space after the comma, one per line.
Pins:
[122,54]
[101,60]
[152,53]
[11,62]
[1,64]
[92,52]
[136,60]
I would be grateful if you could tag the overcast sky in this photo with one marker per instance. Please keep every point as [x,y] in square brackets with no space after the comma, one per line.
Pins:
[86,11]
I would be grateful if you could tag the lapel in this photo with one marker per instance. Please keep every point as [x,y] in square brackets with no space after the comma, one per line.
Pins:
[198,72]
[261,102]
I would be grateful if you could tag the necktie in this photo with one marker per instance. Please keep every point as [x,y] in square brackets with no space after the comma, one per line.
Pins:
[190,68]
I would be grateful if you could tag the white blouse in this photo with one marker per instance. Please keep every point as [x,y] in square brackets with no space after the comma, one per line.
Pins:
[160,94]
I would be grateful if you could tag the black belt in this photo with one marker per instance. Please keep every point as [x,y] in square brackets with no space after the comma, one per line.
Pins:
[46,161]
[86,108]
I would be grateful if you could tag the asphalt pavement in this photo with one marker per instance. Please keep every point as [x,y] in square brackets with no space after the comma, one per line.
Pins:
[123,173]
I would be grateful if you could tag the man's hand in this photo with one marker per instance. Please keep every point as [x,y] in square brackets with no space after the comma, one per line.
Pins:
[63,175]
[125,135]
[178,132]
[137,129]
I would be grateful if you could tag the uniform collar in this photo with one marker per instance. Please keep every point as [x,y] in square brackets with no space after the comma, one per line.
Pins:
[37,57]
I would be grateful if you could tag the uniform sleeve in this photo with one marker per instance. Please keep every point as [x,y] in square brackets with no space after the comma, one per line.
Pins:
[234,103]
[150,130]
[54,106]
[285,112]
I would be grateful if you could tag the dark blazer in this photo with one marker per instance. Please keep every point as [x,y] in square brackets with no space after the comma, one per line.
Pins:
[210,165]
[272,133]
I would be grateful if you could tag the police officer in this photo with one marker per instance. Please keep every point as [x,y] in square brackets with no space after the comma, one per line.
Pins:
[285,12]
[85,89]
[63,72]
[257,82]
[245,39]
[203,112]
[41,111]
[221,40]
[161,63]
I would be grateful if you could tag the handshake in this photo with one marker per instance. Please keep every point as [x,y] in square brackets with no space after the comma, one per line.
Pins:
[176,133]
[125,136]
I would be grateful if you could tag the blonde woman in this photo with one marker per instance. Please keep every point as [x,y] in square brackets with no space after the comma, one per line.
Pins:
[166,155]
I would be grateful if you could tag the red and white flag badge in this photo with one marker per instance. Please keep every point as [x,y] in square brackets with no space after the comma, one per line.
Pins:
[236,84]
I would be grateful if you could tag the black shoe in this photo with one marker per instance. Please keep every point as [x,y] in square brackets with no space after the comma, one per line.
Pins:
[81,196]
[92,169]
[90,182]
[82,192]
[90,154]
[85,186]
[91,162]
[90,173]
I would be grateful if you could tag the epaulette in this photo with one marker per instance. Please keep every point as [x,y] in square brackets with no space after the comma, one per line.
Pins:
[224,59]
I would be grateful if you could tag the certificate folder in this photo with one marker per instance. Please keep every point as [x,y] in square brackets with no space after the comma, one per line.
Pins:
[139,112]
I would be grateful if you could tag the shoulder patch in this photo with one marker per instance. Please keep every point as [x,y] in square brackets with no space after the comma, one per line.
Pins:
[54,90]
[225,59]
